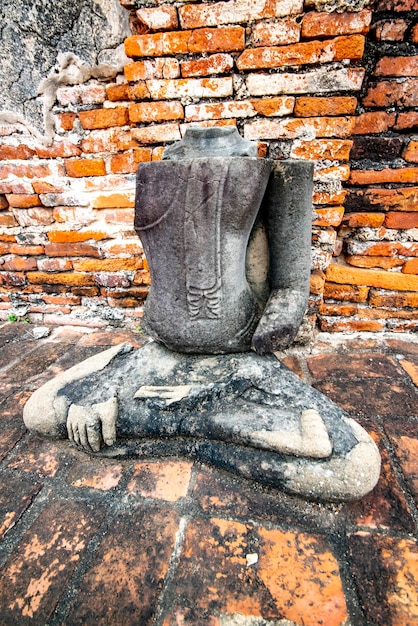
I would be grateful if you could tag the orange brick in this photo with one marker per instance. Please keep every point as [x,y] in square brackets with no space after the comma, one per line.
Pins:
[330,216]
[385,263]
[157,134]
[213,64]
[24,250]
[23,201]
[155,111]
[401,220]
[371,177]
[3,203]
[351,47]
[189,88]
[407,120]
[157,153]
[103,118]
[278,33]
[208,40]
[66,120]
[159,18]
[275,107]
[19,264]
[142,155]
[324,197]
[54,265]
[316,24]
[411,152]
[320,107]
[63,278]
[85,167]
[372,123]
[383,248]
[317,282]
[401,199]
[113,140]
[318,149]
[107,265]
[115,200]
[71,249]
[397,66]
[360,220]
[349,325]
[123,163]
[167,480]
[7,220]
[239,11]
[388,93]
[75,236]
[15,152]
[345,310]
[390,30]
[395,300]
[371,278]
[116,93]
[152,68]
[410,267]
[43,187]
[333,173]
[294,128]
[58,149]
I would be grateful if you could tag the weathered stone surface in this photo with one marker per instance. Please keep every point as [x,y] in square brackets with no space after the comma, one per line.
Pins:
[243,412]
[87,28]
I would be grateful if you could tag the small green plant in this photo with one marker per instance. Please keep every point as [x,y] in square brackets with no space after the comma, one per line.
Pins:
[138,329]
[13,318]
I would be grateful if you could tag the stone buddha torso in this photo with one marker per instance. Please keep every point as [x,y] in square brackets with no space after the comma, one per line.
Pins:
[194,215]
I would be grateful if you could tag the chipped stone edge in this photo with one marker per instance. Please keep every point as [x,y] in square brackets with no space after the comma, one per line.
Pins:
[45,413]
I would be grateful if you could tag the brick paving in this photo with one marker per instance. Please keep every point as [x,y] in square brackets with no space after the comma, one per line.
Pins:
[170,542]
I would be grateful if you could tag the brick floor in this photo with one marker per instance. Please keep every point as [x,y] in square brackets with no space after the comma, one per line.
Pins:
[169,542]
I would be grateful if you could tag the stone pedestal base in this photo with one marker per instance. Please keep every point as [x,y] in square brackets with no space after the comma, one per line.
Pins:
[242,412]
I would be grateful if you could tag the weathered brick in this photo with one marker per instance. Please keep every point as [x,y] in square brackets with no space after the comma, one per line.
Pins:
[43,187]
[3,203]
[295,128]
[401,199]
[383,248]
[319,24]
[22,249]
[23,201]
[401,220]
[397,66]
[243,108]
[142,155]
[7,220]
[371,278]
[274,107]
[331,174]
[71,279]
[155,111]
[382,262]
[391,92]
[325,197]
[15,152]
[111,200]
[330,216]
[157,134]
[370,177]
[235,12]
[376,148]
[121,217]
[407,120]
[373,122]
[58,149]
[71,249]
[106,265]
[109,140]
[393,299]
[319,149]
[123,163]
[54,265]
[81,94]
[13,185]
[213,64]
[411,152]
[317,281]
[414,34]
[35,216]
[410,267]
[68,199]
[85,167]
[116,93]
[277,33]
[70,236]
[360,220]
[190,88]
[158,18]
[395,5]
[19,264]
[320,80]
[122,247]
[349,47]
[152,68]
[320,107]
[390,30]
[209,40]
[65,121]
[329,325]
[103,118]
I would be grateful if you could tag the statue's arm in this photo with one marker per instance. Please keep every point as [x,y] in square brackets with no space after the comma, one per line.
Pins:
[288,216]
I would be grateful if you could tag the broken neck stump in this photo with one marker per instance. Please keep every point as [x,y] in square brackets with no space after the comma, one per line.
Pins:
[227,238]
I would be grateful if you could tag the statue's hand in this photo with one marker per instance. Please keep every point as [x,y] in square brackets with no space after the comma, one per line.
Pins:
[92,426]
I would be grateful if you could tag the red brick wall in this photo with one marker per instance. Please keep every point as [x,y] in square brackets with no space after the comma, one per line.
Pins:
[338,88]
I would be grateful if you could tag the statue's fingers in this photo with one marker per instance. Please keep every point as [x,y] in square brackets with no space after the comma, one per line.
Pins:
[76,434]
[109,429]
[82,430]
[93,436]
[70,430]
